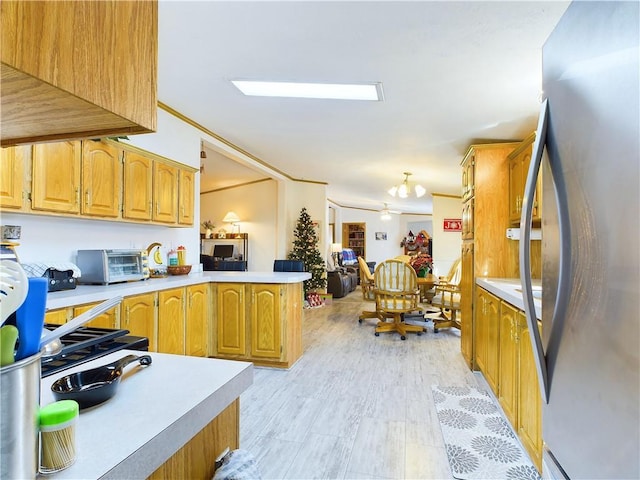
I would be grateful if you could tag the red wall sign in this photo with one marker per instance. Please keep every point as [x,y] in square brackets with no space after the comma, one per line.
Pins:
[452,225]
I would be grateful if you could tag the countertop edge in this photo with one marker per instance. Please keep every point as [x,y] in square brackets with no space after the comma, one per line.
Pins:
[146,460]
[84,294]
[505,289]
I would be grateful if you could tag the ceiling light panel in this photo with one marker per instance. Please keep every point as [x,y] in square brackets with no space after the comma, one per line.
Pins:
[335,91]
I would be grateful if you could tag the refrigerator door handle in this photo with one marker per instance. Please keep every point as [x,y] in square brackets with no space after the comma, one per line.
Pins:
[525,247]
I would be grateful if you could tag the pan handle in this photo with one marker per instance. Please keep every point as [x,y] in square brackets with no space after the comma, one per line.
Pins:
[119,365]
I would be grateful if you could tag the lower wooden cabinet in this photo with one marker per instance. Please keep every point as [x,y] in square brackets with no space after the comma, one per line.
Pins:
[259,323]
[487,324]
[197,320]
[57,317]
[467,333]
[504,354]
[137,314]
[109,319]
[171,322]
[529,399]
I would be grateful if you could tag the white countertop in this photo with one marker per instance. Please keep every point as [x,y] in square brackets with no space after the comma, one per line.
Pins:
[97,293]
[509,290]
[154,412]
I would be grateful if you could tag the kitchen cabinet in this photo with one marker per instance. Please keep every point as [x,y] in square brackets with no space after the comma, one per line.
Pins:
[56,177]
[197,320]
[230,319]
[108,319]
[186,192]
[354,236]
[519,161]
[165,193]
[488,336]
[265,330]
[486,250]
[101,179]
[171,321]
[138,186]
[81,69]
[57,317]
[509,361]
[466,302]
[138,315]
[12,163]
[266,321]
[529,426]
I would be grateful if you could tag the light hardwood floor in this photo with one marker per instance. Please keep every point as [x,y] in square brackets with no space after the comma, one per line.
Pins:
[355,406]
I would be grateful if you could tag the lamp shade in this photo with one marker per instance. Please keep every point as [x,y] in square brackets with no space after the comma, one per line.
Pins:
[336,247]
[231,217]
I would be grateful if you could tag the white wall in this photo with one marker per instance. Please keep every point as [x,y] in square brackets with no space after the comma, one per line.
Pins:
[255,206]
[446,245]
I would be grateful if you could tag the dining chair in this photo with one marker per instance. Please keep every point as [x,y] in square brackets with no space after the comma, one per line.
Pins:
[396,293]
[447,299]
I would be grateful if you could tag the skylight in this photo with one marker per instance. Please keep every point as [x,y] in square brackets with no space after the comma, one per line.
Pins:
[336,91]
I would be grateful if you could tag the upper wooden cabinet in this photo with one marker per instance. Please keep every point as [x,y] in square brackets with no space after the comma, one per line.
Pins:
[165,193]
[12,182]
[519,161]
[56,177]
[81,69]
[138,186]
[101,179]
[186,189]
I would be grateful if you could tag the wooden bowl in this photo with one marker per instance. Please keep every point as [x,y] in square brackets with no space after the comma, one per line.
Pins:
[178,269]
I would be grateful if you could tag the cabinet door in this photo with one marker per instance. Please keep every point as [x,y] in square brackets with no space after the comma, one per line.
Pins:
[137,314]
[197,320]
[488,328]
[57,317]
[138,186]
[467,329]
[56,177]
[529,400]
[231,319]
[509,361]
[108,319]
[467,219]
[101,179]
[517,174]
[171,321]
[468,177]
[266,321]
[165,193]
[187,190]
[12,161]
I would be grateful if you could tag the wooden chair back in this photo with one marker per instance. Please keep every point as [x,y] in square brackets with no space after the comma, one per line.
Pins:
[396,287]
[366,279]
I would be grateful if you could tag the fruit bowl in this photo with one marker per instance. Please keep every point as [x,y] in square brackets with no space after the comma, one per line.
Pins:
[178,269]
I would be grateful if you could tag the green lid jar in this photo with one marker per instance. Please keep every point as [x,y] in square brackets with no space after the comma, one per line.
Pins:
[57,435]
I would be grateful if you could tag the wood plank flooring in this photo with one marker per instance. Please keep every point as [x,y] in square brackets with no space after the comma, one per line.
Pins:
[355,406]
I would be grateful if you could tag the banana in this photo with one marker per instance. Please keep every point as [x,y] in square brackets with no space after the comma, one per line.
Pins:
[157,255]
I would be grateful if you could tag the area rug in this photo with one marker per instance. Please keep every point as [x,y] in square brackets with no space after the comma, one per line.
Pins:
[479,440]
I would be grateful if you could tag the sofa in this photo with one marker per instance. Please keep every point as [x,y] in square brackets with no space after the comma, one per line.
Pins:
[341,282]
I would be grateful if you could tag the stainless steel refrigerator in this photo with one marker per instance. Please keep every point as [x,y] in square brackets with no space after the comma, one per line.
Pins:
[588,144]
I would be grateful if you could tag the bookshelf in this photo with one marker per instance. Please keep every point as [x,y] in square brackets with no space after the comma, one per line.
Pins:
[354,236]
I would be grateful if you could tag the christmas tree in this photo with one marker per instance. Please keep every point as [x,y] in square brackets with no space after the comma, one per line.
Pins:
[305,248]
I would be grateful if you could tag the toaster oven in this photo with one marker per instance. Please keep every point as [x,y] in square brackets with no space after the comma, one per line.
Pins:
[112,266]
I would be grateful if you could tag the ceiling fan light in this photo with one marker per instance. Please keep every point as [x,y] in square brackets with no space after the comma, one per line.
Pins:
[385,215]
[420,191]
[393,190]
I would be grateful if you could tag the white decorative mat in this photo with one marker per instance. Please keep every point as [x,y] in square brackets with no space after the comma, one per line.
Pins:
[479,441]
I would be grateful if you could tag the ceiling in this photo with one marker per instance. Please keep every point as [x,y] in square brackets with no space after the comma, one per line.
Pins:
[453,73]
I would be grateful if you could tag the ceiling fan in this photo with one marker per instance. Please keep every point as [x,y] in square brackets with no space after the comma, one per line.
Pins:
[385,213]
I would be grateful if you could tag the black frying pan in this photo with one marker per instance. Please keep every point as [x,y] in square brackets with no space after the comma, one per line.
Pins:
[92,387]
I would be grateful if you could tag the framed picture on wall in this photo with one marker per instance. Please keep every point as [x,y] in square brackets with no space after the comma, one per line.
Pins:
[381,235]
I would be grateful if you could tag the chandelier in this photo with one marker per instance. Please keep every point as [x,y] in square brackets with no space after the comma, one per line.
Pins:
[404,189]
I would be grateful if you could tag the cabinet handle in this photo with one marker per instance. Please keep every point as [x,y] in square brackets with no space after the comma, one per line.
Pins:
[77,196]
[87,199]
[127,312]
[157,208]
[150,207]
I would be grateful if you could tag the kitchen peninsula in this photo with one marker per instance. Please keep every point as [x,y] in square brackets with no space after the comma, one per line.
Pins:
[251,316]
[170,419]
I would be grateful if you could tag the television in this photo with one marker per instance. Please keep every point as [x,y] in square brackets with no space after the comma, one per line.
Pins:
[223,251]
